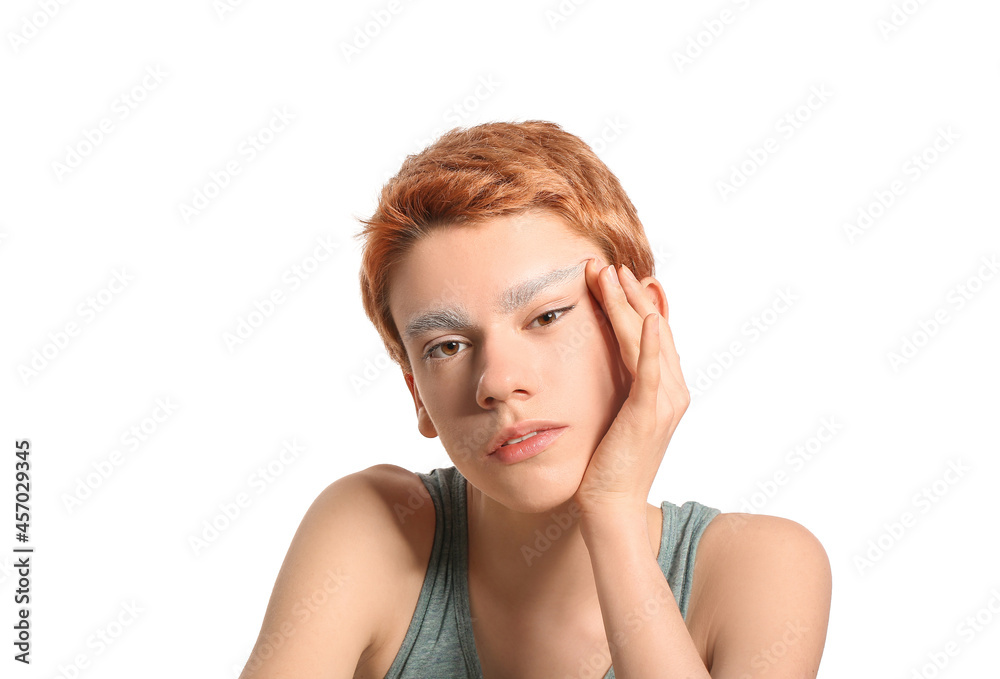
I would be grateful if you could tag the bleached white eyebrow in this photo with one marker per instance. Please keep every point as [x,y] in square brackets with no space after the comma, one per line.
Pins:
[511,300]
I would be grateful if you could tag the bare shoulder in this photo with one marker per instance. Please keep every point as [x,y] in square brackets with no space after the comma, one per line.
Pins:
[736,535]
[336,589]
[383,510]
[762,586]
[409,518]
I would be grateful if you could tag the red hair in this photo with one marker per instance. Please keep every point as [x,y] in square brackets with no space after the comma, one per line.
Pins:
[473,174]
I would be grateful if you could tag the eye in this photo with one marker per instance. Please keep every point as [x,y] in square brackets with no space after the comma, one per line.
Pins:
[452,344]
[551,313]
[441,345]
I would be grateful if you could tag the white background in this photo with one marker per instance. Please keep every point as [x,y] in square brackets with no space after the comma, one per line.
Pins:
[315,370]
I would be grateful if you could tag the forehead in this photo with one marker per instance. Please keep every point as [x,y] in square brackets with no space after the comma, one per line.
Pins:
[481,264]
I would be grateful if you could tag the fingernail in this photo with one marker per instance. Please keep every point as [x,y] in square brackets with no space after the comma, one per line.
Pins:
[628,272]
[613,275]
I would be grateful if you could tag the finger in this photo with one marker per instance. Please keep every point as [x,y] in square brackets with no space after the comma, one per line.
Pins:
[673,359]
[623,317]
[647,377]
[640,301]
[592,273]
[635,293]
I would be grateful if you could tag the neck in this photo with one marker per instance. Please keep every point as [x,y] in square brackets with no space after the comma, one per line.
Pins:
[534,561]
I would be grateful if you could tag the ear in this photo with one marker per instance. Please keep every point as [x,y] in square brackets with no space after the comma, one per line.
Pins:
[654,291]
[424,424]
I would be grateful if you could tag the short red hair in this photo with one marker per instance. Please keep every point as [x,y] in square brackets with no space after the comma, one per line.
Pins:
[472,174]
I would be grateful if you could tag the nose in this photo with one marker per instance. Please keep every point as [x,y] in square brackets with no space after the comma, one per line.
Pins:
[507,372]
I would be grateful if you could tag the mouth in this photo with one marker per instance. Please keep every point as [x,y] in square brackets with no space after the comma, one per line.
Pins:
[529,445]
[521,432]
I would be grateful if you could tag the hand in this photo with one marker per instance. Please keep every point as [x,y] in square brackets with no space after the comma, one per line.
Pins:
[621,471]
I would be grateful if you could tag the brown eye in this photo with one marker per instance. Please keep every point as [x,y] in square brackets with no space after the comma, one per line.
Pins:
[547,313]
[561,312]
[454,347]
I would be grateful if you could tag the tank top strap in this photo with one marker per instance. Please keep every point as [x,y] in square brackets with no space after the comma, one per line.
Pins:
[435,643]
[682,530]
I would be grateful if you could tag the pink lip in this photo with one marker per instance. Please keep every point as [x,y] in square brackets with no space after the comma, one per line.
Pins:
[529,447]
[519,429]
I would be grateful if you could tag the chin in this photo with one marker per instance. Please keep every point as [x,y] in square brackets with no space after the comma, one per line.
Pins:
[539,490]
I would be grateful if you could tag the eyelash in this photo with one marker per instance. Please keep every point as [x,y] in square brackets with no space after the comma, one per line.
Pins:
[431,350]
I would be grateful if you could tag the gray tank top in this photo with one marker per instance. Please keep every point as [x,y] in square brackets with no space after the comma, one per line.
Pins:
[439,642]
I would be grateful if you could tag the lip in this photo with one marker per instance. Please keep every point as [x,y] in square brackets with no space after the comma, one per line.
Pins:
[517,452]
[548,432]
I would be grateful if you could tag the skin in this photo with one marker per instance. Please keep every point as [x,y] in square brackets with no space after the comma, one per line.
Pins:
[566,367]
[608,370]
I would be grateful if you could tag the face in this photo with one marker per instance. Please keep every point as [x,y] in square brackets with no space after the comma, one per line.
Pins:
[547,352]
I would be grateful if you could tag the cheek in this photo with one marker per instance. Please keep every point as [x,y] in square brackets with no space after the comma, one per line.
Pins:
[601,328]
[607,354]
[594,361]
[603,339]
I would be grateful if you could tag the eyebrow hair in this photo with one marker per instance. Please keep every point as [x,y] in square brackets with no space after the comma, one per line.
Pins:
[509,301]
